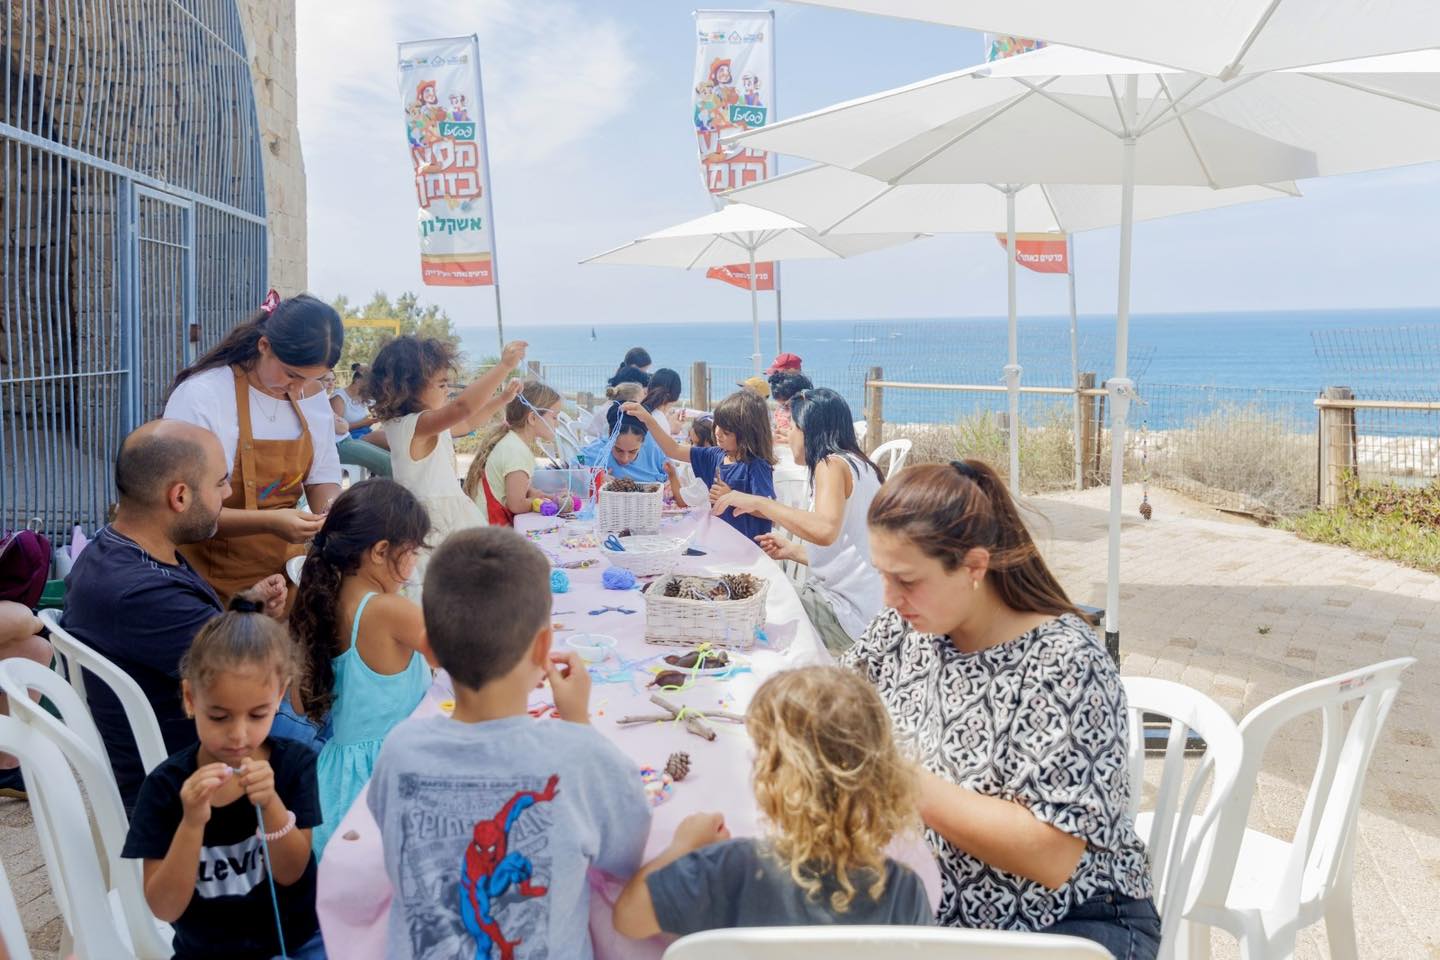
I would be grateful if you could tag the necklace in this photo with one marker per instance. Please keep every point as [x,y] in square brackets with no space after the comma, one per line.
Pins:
[274,412]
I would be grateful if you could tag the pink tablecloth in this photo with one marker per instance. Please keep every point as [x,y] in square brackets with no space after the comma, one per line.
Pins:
[354,891]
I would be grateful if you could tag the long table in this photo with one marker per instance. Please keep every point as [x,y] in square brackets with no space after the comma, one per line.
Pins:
[354,892]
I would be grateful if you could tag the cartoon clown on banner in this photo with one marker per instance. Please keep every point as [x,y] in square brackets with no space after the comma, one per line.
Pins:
[445,132]
[733,79]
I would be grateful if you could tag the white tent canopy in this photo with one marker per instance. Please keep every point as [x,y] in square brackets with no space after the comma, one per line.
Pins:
[836,201]
[1060,115]
[1218,38]
[739,233]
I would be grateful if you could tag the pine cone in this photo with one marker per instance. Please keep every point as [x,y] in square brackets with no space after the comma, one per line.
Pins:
[678,766]
[1146,510]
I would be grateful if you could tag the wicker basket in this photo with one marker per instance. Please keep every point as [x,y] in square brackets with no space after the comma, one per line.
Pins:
[688,623]
[637,512]
[647,555]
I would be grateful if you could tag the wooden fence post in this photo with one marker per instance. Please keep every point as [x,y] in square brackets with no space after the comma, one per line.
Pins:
[874,410]
[1336,447]
[1088,434]
[699,385]
[585,401]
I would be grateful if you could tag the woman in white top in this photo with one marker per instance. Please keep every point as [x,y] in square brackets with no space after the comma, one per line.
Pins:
[359,445]
[843,591]
[629,383]
[409,390]
[662,393]
[257,392]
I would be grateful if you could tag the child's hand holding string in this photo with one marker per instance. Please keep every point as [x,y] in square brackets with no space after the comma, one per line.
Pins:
[196,792]
[512,389]
[512,353]
[570,686]
[258,779]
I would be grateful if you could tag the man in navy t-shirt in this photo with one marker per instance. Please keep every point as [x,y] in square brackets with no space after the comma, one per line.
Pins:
[134,599]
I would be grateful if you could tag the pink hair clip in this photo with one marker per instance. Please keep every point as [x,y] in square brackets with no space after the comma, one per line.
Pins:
[271,301]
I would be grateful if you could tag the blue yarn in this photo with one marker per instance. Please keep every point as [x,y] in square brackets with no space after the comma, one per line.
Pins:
[559,581]
[618,578]
[270,871]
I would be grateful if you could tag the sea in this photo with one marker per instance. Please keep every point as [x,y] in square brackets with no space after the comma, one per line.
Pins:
[1285,356]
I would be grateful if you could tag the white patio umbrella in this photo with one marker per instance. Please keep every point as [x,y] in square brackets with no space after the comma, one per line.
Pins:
[1221,39]
[739,232]
[1060,115]
[836,201]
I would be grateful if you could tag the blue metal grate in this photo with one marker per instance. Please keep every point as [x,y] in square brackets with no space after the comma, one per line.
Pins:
[132,229]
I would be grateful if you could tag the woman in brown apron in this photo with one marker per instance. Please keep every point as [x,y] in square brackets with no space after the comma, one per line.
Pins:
[270,364]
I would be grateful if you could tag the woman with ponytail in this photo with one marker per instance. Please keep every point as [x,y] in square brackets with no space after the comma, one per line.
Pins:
[259,392]
[1017,712]
[362,642]
[499,476]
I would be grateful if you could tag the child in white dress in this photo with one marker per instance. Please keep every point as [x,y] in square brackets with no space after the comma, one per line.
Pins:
[409,389]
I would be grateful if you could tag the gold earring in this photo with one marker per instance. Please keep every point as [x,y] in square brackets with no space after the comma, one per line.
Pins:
[974,584]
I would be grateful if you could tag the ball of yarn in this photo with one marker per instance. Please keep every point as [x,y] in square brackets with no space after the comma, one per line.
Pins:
[618,578]
[575,508]
[559,581]
[549,508]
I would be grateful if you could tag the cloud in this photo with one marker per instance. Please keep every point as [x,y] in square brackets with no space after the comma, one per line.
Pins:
[552,69]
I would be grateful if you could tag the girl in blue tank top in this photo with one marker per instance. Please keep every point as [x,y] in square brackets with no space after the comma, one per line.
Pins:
[367,662]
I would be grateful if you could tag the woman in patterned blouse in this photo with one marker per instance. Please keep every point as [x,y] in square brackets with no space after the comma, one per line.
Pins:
[1014,710]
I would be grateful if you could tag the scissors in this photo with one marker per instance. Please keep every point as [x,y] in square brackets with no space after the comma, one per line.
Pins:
[612,542]
[609,609]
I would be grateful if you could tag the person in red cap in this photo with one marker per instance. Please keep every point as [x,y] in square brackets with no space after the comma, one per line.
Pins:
[784,361]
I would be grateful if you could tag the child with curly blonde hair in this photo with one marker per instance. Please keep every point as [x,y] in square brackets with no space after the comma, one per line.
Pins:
[835,791]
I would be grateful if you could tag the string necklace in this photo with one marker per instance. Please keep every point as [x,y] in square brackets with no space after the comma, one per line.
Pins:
[274,413]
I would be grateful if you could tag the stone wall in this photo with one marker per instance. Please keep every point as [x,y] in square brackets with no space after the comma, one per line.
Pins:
[270,40]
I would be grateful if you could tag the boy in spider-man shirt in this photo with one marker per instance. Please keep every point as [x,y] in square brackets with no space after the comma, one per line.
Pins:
[491,818]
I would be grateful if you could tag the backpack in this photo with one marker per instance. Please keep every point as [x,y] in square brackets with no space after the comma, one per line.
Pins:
[25,557]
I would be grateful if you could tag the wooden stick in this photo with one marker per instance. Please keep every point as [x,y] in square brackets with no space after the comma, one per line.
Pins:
[693,722]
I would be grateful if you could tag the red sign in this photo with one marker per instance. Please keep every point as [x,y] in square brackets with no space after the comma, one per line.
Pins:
[1041,252]
[739,275]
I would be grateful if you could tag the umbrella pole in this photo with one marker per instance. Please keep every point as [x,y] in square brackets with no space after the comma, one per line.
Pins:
[1075,359]
[1120,387]
[1012,369]
[754,316]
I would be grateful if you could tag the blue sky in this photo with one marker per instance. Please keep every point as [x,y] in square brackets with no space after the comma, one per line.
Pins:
[591,145]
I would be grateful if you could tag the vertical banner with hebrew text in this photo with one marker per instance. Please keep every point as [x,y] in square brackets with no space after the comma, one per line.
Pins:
[734,85]
[445,127]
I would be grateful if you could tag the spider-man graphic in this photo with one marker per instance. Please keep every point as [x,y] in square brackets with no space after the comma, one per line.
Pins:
[489,871]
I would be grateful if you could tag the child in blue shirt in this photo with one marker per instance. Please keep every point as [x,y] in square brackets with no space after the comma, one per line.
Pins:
[634,454]
[742,458]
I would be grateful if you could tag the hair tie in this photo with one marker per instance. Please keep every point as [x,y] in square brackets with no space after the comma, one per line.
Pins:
[966,471]
[244,604]
[271,301]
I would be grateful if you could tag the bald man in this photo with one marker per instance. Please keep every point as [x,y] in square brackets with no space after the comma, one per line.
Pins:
[133,598]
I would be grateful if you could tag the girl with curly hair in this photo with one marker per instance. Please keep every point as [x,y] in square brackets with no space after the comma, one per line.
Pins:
[835,791]
[363,643]
[409,392]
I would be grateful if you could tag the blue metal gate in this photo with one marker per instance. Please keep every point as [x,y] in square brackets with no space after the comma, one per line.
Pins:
[132,206]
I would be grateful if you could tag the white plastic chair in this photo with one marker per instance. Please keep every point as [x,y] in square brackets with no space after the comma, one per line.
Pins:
[861,427]
[78,659]
[892,454]
[1264,890]
[293,566]
[351,474]
[79,740]
[1176,832]
[867,943]
[12,928]
[70,861]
